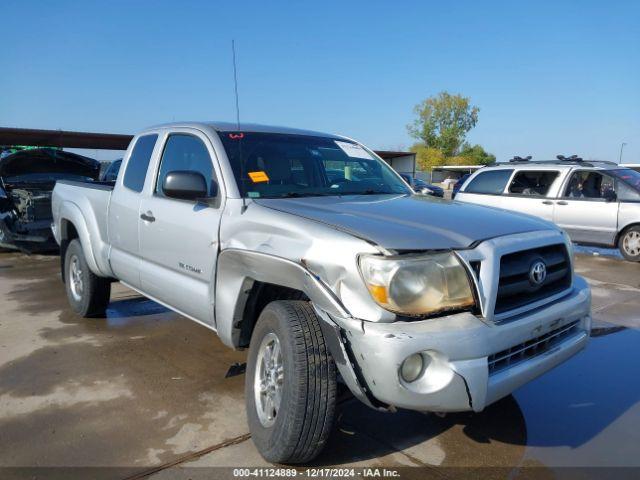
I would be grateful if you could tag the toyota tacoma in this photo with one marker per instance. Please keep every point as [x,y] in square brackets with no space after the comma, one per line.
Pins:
[408,300]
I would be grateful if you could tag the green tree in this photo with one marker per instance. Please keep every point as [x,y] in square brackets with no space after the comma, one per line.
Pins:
[443,122]
[428,157]
[476,155]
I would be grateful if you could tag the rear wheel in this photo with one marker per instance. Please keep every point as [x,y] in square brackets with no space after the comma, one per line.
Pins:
[88,293]
[290,384]
[629,244]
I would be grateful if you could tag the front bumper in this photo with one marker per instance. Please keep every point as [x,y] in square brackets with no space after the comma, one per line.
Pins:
[458,347]
[37,238]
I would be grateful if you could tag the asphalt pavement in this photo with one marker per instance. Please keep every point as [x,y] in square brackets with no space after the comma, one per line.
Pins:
[143,392]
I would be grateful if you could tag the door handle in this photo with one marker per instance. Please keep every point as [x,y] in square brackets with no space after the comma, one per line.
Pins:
[547,202]
[148,217]
[562,202]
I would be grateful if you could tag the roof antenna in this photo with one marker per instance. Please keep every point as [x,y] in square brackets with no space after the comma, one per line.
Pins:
[235,83]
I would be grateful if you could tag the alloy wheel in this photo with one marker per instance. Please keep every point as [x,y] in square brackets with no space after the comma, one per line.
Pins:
[631,243]
[269,380]
[75,278]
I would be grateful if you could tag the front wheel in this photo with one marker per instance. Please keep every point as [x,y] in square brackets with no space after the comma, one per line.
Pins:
[290,384]
[88,293]
[629,244]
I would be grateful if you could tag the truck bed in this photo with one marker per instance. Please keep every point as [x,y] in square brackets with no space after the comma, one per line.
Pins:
[86,204]
[95,185]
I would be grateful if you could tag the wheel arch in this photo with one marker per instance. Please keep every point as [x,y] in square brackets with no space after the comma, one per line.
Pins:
[245,280]
[68,232]
[259,295]
[73,224]
[624,230]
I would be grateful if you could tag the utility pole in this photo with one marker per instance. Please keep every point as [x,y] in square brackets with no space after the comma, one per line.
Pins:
[621,147]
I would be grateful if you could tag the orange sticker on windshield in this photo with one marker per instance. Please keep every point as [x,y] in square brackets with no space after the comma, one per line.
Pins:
[258,177]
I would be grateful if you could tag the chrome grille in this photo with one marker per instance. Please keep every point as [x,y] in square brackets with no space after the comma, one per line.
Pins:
[515,288]
[531,348]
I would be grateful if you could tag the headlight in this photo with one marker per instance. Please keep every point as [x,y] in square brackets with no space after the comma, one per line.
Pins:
[417,284]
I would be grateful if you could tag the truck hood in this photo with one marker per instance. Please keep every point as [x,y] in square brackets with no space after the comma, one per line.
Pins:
[406,222]
[48,161]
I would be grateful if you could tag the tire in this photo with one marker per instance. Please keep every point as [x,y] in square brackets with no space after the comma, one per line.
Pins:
[303,420]
[629,244]
[88,293]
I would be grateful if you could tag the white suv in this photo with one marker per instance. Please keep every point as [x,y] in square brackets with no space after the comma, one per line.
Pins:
[597,203]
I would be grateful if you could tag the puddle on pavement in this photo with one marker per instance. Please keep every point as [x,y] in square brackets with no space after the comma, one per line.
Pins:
[586,411]
[123,312]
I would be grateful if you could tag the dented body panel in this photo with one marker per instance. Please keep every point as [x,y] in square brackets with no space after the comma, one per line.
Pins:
[312,246]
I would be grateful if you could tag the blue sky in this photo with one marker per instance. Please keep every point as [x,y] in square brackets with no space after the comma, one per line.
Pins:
[549,77]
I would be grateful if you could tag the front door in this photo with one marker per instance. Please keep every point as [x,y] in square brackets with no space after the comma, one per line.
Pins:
[178,238]
[588,208]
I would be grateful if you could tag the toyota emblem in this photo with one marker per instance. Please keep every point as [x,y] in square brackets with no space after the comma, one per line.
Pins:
[538,273]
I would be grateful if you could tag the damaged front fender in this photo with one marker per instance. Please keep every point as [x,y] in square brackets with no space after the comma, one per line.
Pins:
[238,269]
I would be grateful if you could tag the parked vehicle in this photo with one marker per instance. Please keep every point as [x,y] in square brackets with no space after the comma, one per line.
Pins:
[27,178]
[597,203]
[409,301]
[111,172]
[458,184]
[632,166]
[420,186]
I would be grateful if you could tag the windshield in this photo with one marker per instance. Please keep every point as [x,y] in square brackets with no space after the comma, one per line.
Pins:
[628,176]
[283,165]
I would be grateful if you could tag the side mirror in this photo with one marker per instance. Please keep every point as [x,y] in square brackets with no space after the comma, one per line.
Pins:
[185,185]
[610,196]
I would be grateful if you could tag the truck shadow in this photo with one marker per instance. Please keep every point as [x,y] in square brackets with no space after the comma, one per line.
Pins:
[362,434]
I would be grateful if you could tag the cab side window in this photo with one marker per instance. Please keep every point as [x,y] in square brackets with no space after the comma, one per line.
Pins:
[591,185]
[185,152]
[533,183]
[491,182]
[138,163]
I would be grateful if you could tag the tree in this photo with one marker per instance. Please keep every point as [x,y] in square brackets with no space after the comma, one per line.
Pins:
[428,157]
[443,122]
[476,155]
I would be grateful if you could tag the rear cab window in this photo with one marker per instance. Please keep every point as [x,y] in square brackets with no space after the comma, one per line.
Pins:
[491,182]
[138,162]
[533,182]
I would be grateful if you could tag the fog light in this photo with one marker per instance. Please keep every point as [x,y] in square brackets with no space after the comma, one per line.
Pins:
[412,367]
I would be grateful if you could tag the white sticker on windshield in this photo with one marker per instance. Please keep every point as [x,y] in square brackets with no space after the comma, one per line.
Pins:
[354,150]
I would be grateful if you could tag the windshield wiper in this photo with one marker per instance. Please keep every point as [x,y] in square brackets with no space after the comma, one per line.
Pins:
[369,191]
[304,194]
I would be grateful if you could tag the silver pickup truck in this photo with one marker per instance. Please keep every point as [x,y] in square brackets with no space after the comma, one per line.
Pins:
[307,249]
